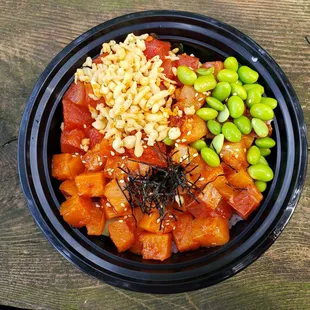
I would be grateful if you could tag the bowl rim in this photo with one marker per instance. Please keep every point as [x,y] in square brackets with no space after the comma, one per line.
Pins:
[109,277]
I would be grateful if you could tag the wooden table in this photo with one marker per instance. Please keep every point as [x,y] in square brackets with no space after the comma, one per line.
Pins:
[32,273]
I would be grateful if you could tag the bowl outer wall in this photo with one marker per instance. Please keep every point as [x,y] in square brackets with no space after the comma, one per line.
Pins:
[165,278]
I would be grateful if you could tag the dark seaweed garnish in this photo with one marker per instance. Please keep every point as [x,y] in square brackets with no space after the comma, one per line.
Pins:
[158,187]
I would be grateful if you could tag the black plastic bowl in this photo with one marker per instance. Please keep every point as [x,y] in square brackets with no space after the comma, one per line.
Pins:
[39,137]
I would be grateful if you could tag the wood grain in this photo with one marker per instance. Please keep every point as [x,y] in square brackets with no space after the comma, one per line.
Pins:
[32,274]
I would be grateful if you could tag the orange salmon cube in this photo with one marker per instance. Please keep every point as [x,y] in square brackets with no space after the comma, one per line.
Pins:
[240,179]
[121,235]
[151,222]
[96,223]
[68,188]
[182,234]
[246,201]
[115,164]
[66,166]
[76,211]
[116,197]
[91,184]
[138,245]
[94,160]
[210,231]
[158,247]
[234,155]
[193,128]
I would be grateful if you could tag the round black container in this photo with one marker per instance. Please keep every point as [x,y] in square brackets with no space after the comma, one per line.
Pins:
[39,137]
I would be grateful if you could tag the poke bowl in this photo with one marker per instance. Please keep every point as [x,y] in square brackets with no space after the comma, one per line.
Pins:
[53,161]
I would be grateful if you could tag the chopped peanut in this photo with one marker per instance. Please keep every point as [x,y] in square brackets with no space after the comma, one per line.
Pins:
[134,102]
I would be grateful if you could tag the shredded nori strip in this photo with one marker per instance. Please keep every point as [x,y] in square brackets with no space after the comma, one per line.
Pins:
[158,187]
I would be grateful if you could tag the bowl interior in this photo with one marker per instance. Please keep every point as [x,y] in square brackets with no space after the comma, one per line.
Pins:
[206,52]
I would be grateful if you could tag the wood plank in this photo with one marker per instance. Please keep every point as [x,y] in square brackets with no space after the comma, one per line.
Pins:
[32,273]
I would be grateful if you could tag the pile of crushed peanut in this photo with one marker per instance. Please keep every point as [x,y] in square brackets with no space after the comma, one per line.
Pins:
[136,111]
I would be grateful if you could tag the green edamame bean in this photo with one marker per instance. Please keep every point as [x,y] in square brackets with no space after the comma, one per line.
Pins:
[262,111]
[243,124]
[265,152]
[198,144]
[253,155]
[247,75]
[270,102]
[239,82]
[168,141]
[231,132]
[214,127]
[263,161]
[227,75]
[235,106]
[238,90]
[204,71]
[254,97]
[186,75]
[231,63]
[265,143]
[247,87]
[207,113]
[221,91]
[260,127]
[217,143]
[215,104]
[204,83]
[223,115]
[210,157]
[261,172]
[261,185]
